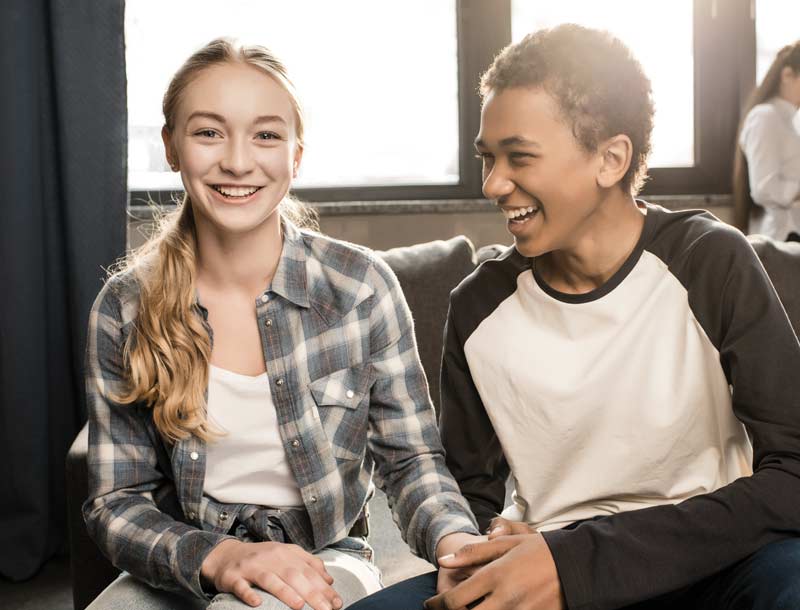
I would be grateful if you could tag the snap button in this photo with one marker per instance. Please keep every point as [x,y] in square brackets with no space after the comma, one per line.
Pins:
[268,323]
[191,515]
[295,443]
[313,499]
[264,298]
[350,393]
[194,455]
[223,516]
[279,382]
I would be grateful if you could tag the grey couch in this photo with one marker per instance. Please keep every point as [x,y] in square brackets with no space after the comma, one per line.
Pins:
[427,273]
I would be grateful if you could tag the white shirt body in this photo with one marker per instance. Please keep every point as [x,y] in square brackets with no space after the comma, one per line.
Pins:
[248,464]
[770,140]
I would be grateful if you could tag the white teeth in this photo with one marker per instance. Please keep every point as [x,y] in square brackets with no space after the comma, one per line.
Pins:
[517,212]
[236,191]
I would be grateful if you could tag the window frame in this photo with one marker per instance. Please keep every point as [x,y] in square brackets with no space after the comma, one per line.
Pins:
[724,74]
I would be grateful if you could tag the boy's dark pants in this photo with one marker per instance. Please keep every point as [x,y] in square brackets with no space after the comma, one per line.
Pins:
[767,580]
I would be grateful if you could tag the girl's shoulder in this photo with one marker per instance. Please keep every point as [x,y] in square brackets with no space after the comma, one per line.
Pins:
[118,299]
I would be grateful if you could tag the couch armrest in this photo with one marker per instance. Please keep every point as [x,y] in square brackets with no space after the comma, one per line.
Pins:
[91,571]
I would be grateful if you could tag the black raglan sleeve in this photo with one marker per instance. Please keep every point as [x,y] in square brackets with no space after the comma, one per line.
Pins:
[632,556]
[473,451]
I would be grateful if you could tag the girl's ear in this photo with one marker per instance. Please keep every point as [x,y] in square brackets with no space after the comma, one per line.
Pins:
[298,157]
[168,150]
[616,155]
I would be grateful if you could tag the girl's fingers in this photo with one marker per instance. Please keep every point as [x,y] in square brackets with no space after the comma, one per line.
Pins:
[275,586]
[242,589]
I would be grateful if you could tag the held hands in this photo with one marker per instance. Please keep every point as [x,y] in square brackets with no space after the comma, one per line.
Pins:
[514,570]
[450,577]
[285,571]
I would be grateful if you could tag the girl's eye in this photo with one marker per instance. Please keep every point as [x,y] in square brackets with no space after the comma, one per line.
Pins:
[206,133]
[268,135]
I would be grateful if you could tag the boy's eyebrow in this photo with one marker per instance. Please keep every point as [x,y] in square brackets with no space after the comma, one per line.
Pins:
[518,141]
[509,141]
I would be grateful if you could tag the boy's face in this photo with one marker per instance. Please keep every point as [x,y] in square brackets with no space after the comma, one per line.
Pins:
[535,170]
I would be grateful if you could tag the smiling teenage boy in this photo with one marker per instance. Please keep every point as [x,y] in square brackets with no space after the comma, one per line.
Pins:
[632,368]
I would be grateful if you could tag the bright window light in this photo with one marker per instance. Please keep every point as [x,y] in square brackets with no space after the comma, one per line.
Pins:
[664,48]
[378,82]
[776,26]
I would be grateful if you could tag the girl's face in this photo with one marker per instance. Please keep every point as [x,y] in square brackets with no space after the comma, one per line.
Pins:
[234,142]
[790,85]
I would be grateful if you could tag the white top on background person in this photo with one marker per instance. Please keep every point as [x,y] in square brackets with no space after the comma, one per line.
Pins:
[767,168]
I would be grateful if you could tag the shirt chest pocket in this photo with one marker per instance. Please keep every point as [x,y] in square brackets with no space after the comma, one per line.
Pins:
[342,400]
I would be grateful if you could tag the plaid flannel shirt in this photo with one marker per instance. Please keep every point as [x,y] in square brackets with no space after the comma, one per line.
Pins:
[350,395]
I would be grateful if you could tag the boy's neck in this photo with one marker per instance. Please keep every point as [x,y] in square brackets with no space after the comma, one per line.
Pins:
[599,251]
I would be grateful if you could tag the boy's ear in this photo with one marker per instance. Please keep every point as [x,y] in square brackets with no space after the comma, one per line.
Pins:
[616,155]
[171,160]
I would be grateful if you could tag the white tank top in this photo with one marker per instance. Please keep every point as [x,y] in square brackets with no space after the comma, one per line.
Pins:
[248,465]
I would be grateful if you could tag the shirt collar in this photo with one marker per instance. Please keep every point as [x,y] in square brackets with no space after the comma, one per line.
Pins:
[290,280]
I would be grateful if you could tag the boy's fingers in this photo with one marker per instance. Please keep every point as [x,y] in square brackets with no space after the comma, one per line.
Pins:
[478,553]
[463,594]
[503,527]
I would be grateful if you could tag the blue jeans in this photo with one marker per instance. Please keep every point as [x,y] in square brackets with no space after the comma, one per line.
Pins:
[767,580]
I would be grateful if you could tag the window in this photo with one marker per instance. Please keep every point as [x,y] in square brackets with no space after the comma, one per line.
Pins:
[390,88]
[776,26]
[666,54]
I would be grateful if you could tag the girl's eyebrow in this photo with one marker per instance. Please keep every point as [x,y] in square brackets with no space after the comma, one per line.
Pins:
[269,118]
[206,115]
[266,118]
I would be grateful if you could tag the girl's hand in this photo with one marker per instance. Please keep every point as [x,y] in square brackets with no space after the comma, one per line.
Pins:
[449,578]
[285,571]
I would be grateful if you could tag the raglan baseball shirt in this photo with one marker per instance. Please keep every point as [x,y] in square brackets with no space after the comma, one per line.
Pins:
[647,402]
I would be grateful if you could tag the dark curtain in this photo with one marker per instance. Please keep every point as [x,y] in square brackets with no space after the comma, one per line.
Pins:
[63,140]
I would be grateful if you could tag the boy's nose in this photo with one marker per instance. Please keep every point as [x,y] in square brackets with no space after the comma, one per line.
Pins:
[497,184]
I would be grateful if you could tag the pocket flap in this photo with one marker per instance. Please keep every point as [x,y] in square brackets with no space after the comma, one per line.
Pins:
[344,388]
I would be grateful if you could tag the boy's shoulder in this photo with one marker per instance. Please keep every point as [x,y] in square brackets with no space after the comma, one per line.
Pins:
[495,276]
[696,238]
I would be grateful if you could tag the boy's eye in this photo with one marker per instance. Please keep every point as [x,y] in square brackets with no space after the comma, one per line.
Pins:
[206,133]
[268,135]
[519,156]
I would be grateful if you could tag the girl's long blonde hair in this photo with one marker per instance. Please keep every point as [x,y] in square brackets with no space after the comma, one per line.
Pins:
[167,354]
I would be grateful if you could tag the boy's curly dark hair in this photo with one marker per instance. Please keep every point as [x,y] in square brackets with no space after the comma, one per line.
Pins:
[599,86]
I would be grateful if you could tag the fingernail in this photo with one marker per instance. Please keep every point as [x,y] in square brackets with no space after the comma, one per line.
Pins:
[337,602]
[497,528]
[447,557]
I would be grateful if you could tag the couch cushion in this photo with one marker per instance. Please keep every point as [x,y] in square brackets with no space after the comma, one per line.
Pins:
[782,262]
[427,273]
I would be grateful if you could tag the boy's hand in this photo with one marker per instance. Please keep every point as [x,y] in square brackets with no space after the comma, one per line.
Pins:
[503,527]
[285,571]
[450,577]
[521,576]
